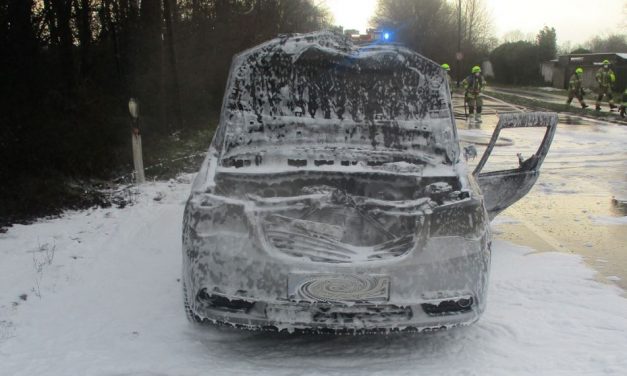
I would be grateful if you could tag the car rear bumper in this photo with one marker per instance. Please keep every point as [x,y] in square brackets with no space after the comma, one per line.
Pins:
[438,288]
[320,317]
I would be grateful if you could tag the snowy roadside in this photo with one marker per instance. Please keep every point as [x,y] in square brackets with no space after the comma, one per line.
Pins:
[96,292]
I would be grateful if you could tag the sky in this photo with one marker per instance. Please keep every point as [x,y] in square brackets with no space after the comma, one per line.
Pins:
[352,14]
[574,20]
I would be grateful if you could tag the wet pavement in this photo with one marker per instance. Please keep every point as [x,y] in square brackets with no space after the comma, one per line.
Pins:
[579,203]
[545,94]
[557,97]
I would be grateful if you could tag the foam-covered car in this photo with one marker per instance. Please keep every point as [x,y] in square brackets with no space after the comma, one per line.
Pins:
[335,196]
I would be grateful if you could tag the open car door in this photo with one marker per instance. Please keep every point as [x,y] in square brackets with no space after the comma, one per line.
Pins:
[503,188]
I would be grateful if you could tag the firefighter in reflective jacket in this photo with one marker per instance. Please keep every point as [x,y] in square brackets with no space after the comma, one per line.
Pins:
[473,85]
[605,78]
[575,88]
[447,68]
[623,107]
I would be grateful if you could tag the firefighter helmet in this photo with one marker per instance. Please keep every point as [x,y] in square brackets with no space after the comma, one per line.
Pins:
[579,70]
[476,69]
[446,67]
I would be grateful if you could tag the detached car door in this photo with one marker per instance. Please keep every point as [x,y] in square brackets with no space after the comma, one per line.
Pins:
[503,188]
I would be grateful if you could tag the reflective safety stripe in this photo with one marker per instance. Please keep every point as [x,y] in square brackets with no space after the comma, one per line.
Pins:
[575,82]
[473,85]
[605,77]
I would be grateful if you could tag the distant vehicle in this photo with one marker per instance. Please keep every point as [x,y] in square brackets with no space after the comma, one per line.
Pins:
[335,196]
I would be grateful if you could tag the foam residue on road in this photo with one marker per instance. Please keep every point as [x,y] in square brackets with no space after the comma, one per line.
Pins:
[97,292]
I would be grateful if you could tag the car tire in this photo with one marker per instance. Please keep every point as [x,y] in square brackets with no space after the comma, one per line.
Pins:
[191,316]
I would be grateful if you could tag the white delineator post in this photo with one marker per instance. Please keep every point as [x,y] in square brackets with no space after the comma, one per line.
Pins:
[136,141]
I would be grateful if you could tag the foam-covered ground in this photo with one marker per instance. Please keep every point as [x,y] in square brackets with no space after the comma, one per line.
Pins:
[97,293]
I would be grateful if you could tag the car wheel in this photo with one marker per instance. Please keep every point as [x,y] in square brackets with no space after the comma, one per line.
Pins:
[191,316]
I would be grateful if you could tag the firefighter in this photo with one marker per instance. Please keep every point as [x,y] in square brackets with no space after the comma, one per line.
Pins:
[605,78]
[575,88]
[473,85]
[447,68]
[623,107]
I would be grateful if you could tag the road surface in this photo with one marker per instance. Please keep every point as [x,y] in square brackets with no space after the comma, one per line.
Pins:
[578,204]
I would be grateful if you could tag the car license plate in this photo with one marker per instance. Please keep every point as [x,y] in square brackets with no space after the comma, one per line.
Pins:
[338,288]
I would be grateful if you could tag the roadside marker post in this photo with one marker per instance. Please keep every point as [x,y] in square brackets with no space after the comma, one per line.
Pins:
[136,141]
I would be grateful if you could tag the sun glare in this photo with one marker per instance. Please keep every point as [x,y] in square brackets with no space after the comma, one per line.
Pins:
[352,14]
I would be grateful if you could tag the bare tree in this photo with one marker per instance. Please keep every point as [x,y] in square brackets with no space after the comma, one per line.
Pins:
[78,62]
[611,43]
[477,22]
[63,14]
[431,28]
[427,26]
[517,36]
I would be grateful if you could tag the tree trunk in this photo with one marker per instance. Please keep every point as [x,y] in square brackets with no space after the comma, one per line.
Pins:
[149,61]
[174,94]
[63,10]
[196,12]
[107,11]
[122,8]
[83,21]
[50,20]
[22,55]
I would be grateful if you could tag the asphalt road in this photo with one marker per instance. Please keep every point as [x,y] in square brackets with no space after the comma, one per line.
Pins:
[579,203]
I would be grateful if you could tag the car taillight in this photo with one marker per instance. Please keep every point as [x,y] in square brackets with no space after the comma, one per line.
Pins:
[466,218]
[210,214]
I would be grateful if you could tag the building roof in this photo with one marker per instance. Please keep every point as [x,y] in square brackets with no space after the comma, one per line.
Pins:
[621,55]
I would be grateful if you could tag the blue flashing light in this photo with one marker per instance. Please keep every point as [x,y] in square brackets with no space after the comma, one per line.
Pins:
[386,36]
